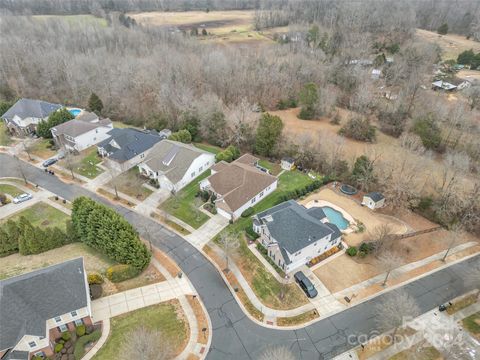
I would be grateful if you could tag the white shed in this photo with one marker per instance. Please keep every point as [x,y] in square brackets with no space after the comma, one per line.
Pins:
[373,200]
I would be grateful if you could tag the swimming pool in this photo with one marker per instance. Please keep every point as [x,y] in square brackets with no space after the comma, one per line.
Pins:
[335,217]
[75,112]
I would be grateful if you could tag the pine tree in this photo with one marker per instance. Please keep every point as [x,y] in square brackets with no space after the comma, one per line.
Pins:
[95,104]
[268,132]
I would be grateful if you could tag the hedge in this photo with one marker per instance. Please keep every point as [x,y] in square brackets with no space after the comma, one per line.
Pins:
[122,272]
[248,212]
[94,278]
[58,348]
[66,336]
[80,330]
[251,233]
[295,194]
[84,340]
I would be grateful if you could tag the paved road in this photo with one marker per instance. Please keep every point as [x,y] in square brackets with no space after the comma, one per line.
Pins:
[234,335]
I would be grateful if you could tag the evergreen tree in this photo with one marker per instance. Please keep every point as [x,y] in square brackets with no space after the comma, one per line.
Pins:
[182,136]
[443,29]
[215,128]
[56,118]
[268,133]
[95,104]
[308,98]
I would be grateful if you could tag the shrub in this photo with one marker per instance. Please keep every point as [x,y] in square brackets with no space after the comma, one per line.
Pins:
[429,132]
[367,248]
[122,272]
[210,208]
[248,212]
[94,278]
[362,254]
[443,29]
[3,199]
[95,291]
[251,233]
[352,251]
[66,336]
[80,330]
[358,128]
[84,340]
[58,348]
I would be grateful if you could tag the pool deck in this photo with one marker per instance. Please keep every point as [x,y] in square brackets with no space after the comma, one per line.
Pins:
[322,203]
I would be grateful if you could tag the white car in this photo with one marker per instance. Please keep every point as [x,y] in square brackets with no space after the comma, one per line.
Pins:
[21,198]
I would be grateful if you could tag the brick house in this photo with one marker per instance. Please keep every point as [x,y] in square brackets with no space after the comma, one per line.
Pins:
[35,308]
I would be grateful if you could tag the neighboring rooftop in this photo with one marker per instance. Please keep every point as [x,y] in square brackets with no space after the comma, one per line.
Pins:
[238,182]
[294,227]
[25,108]
[125,144]
[375,196]
[172,159]
[28,301]
[77,127]
[87,116]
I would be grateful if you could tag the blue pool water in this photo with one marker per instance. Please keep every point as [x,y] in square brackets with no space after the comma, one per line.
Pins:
[335,217]
[75,112]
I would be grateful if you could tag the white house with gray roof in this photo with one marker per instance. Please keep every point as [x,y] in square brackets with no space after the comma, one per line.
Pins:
[174,164]
[293,235]
[35,308]
[23,117]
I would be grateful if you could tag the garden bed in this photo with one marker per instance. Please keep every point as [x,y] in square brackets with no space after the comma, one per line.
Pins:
[72,345]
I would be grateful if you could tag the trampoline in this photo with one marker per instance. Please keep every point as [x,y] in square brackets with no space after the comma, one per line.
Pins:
[347,189]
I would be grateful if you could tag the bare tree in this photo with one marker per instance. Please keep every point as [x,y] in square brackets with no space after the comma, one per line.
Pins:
[389,261]
[26,143]
[380,236]
[114,174]
[394,310]
[453,239]
[20,169]
[70,163]
[229,242]
[277,353]
[146,344]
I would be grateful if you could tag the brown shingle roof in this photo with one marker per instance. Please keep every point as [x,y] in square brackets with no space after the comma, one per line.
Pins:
[237,183]
[248,159]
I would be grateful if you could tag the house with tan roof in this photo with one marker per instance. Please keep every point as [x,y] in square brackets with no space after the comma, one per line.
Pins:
[238,185]
[86,130]
[174,164]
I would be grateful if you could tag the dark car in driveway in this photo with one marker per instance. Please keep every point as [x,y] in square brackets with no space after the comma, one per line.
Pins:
[305,284]
[49,162]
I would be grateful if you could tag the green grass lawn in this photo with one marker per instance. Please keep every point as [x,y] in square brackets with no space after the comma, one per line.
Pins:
[210,148]
[43,215]
[162,317]
[10,190]
[4,137]
[85,163]
[182,206]
[42,149]
[274,168]
[130,183]
[472,324]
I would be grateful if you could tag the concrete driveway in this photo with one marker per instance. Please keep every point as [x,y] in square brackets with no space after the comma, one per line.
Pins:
[207,231]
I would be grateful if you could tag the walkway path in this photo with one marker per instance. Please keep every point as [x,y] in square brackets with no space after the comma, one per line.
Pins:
[207,231]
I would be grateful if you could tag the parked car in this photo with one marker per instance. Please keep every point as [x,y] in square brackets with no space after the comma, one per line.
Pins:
[21,198]
[61,155]
[49,162]
[305,284]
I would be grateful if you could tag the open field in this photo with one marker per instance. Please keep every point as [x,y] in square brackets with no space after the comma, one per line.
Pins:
[167,317]
[222,26]
[43,215]
[451,44]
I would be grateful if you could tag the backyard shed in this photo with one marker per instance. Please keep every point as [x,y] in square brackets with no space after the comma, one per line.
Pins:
[373,200]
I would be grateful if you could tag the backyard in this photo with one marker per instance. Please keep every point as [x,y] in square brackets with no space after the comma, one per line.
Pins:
[210,148]
[131,183]
[166,317]
[85,163]
[182,205]
[43,215]
[274,168]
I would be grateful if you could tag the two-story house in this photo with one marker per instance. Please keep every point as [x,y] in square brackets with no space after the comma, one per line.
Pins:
[35,308]
[238,185]
[86,130]
[174,164]
[293,235]
[23,117]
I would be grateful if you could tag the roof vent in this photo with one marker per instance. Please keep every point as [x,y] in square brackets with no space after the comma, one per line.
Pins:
[268,218]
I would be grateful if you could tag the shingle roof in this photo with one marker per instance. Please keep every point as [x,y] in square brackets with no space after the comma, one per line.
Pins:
[77,127]
[238,183]
[291,225]
[87,116]
[131,142]
[247,159]
[172,159]
[375,196]
[24,108]
[28,301]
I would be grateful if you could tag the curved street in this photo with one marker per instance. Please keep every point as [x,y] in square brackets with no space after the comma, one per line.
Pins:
[235,336]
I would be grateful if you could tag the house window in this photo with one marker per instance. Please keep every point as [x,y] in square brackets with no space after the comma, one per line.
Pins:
[193,174]
[200,169]
[314,244]
[40,354]
[78,322]
[73,313]
[63,328]
[142,156]
[32,344]
[253,200]
[261,194]
[58,319]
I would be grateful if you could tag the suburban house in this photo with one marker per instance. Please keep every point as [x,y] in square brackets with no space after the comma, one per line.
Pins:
[125,148]
[174,164]
[294,235]
[82,132]
[35,308]
[23,117]
[287,163]
[238,185]
[373,200]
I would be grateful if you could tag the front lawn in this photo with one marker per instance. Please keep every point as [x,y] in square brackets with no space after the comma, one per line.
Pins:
[88,163]
[42,148]
[166,317]
[420,351]
[10,190]
[182,205]
[5,139]
[472,324]
[210,148]
[43,215]
[131,183]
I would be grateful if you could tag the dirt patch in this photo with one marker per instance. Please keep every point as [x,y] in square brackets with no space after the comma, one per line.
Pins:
[469,75]
[201,317]
[451,44]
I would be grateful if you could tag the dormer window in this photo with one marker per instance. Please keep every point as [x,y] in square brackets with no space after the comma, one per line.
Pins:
[73,313]
[58,319]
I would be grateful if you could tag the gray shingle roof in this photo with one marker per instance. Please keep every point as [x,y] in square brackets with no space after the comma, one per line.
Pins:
[131,141]
[76,127]
[29,300]
[173,158]
[24,108]
[291,225]
[375,196]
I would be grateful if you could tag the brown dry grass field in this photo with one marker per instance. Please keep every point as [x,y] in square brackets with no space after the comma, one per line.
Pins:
[231,27]
[451,44]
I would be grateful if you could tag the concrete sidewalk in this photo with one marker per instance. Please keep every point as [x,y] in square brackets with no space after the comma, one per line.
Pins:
[207,231]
